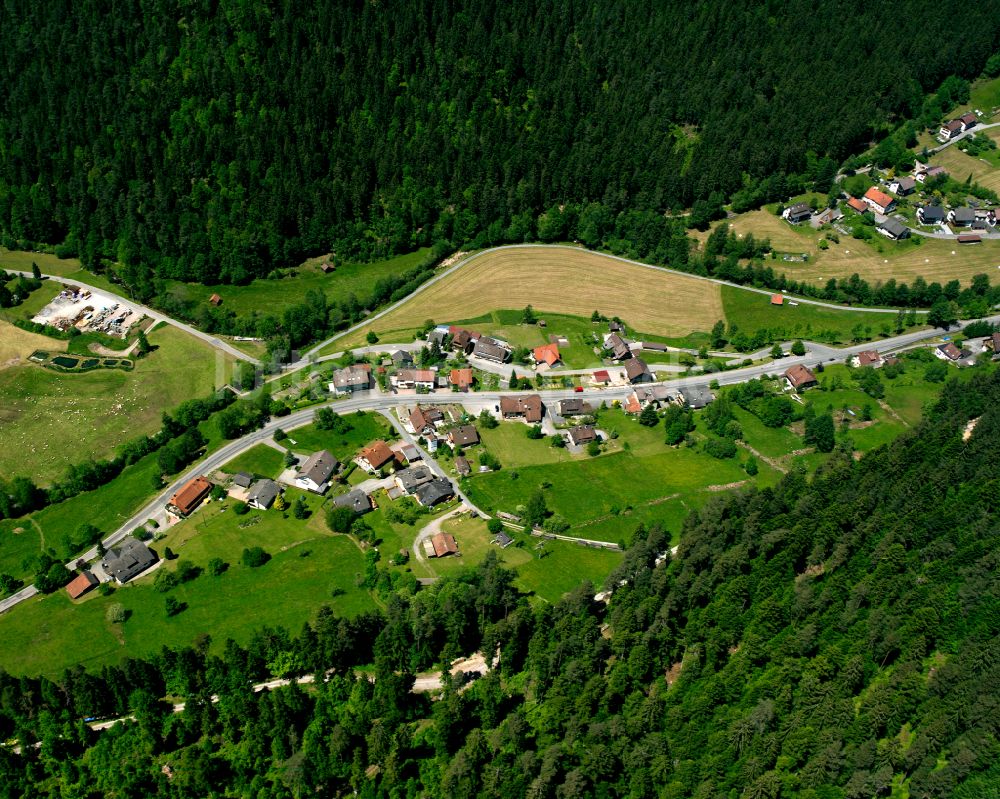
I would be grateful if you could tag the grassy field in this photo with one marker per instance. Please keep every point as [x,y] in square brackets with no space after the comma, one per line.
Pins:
[960,165]
[879,260]
[365,428]
[48,419]
[273,296]
[752,312]
[261,460]
[16,345]
[50,265]
[307,566]
[573,282]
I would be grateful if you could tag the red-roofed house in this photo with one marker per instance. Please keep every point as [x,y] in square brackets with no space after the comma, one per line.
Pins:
[547,354]
[80,585]
[857,205]
[602,376]
[870,358]
[461,378]
[799,378]
[374,457]
[879,201]
[190,496]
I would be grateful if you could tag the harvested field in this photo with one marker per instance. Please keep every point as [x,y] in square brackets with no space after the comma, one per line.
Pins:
[560,280]
[960,165]
[16,344]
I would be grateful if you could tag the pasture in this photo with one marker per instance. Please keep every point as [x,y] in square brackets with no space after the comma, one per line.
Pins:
[564,280]
[16,345]
[49,419]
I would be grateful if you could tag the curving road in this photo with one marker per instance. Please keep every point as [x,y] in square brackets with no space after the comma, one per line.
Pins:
[209,339]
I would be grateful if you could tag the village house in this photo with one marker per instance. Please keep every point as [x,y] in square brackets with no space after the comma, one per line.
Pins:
[409,452]
[356,499]
[527,407]
[464,435]
[314,474]
[263,494]
[462,379]
[923,173]
[462,466]
[950,129]
[357,377]
[892,229]
[242,479]
[798,378]
[547,354]
[126,561]
[424,421]
[574,407]
[402,359]
[433,493]
[374,457]
[636,371]
[930,215]
[409,480]
[581,434]
[414,379]
[827,216]
[491,349]
[601,377]
[949,352]
[81,584]
[868,358]
[963,216]
[440,545]
[856,205]
[463,340]
[903,186]
[696,397]
[797,213]
[619,349]
[879,201]
[185,501]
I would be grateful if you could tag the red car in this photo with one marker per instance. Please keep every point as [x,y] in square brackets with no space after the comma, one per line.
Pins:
[578,389]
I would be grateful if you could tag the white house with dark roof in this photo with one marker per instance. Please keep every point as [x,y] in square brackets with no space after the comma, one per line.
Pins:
[314,474]
[262,494]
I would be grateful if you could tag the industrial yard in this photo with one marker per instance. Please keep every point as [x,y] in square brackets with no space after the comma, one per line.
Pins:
[89,312]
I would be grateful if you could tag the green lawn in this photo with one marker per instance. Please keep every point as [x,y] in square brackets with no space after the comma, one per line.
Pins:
[50,418]
[261,460]
[769,441]
[750,312]
[510,443]
[274,296]
[365,428]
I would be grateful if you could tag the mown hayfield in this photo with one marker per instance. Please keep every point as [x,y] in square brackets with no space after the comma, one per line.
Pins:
[960,165]
[562,280]
[49,419]
[16,345]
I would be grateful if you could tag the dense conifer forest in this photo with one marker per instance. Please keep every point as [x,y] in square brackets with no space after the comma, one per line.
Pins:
[834,637]
[214,141]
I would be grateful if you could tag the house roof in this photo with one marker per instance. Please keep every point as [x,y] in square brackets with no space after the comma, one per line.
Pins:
[963,214]
[969,238]
[798,208]
[188,498]
[126,561]
[357,500]
[582,434]
[243,479]
[359,374]
[81,584]
[602,376]
[377,454]
[894,227]
[528,406]
[547,353]
[444,544]
[869,358]
[418,421]
[995,338]
[932,212]
[857,205]
[799,376]
[264,492]
[933,171]
[654,393]
[464,435]
[412,478]
[318,467]
[401,357]
[461,377]
[969,118]
[574,406]
[435,491]
[954,125]
[632,404]
[949,349]
[636,368]
[879,197]
[215,299]
[416,375]
[906,184]
[696,396]
[491,348]
[619,349]
[462,465]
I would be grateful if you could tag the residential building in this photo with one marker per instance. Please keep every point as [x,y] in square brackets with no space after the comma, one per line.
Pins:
[870,358]
[374,457]
[968,120]
[462,466]
[950,129]
[632,404]
[799,378]
[503,540]
[602,376]
[857,205]
[243,479]
[574,407]
[410,453]
[879,201]
[654,395]
[581,434]
[440,545]
[892,228]
[424,421]
[491,349]
[903,186]
[464,435]
[925,173]
[930,215]
[962,216]
[357,377]
[948,352]
[463,340]
[124,562]
[462,379]
[420,379]
[696,396]
[527,407]
[433,493]
[409,480]
[314,474]
[263,494]
[357,500]
[636,371]
[826,217]
[547,354]
[619,349]
[799,212]
[185,501]
[81,584]
[402,359]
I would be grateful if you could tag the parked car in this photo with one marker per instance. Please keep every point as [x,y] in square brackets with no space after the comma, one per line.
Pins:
[578,389]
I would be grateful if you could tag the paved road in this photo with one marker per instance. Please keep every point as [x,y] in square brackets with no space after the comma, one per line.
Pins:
[159,317]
